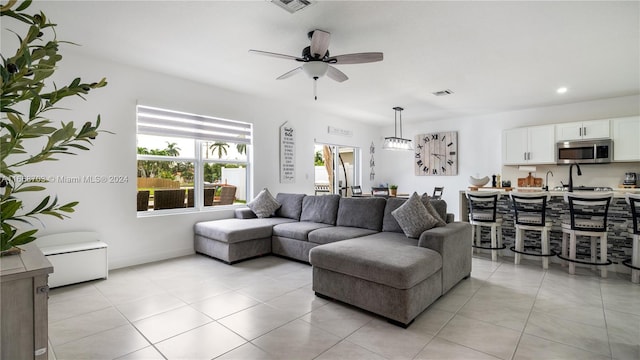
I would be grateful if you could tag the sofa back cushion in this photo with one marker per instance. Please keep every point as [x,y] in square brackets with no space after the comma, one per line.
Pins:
[291,205]
[366,213]
[320,208]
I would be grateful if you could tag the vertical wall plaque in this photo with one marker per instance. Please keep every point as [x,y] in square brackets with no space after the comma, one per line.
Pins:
[287,154]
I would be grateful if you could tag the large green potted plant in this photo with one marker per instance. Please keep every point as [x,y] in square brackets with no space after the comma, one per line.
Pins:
[26,99]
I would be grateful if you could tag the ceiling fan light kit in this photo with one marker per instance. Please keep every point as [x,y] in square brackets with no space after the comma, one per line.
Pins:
[395,142]
[316,59]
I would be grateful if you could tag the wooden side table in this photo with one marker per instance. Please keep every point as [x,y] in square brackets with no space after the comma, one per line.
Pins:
[24,298]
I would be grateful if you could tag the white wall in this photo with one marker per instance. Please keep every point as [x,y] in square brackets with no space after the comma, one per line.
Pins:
[480,146]
[110,208]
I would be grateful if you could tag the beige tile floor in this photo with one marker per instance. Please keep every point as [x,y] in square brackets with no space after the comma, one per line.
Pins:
[195,307]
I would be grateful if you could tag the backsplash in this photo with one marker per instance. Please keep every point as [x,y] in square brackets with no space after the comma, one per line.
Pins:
[611,175]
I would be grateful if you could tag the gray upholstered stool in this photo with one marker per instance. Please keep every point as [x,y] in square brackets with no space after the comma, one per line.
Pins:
[530,214]
[588,217]
[483,207]
[634,263]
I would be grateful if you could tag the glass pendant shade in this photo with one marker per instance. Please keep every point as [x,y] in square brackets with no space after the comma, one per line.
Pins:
[315,69]
[395,142]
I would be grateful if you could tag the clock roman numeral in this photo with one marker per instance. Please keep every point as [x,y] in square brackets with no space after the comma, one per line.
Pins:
[435,171]
[434,136]
[426,139]
[425,169]
[420,163]
[444,137]
[449,144]
[450,162]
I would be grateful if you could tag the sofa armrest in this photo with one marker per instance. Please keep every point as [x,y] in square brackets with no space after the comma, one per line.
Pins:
[450,218]
[244,213]
[453,242]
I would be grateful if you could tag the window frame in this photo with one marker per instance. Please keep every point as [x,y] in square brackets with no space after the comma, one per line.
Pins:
[198,161]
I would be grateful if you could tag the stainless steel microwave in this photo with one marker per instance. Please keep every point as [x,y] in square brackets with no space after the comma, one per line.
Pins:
[584,151]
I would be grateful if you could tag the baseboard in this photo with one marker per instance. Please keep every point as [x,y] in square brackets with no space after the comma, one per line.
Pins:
[147,258]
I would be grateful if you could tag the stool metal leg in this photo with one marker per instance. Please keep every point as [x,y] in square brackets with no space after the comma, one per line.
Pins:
[635,259]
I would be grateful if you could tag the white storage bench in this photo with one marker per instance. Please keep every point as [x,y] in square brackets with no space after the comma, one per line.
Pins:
[75,256]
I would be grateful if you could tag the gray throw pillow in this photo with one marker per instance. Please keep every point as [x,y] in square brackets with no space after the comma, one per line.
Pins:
[426,201]
[413,217]
[264,205]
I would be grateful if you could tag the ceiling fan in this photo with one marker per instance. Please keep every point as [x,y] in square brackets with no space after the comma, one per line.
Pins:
[317,61]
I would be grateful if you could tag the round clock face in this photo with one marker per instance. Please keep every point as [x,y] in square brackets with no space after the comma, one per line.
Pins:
[437,154]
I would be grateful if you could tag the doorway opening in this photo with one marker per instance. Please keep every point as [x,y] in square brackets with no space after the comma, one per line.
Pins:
[337,168]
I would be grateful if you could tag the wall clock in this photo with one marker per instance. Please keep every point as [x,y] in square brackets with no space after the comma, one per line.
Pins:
[436,154]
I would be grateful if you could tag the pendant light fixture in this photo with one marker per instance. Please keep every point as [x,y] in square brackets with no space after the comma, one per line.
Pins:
[395,142]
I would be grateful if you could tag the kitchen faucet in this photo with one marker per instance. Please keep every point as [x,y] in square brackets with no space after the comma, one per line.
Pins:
[546,180]
[571,176]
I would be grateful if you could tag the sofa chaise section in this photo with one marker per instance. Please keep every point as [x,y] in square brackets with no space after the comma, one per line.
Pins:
[386,274]
[232,240]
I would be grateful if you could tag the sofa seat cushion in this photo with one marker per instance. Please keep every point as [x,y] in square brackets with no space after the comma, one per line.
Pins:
[237,230]
[375,259]
[337,233]
[363,213]
[298,230]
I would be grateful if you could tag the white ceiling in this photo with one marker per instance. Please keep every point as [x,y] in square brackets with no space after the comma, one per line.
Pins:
[495,56]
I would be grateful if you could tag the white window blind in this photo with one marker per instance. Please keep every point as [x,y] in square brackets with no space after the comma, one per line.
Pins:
[156,121]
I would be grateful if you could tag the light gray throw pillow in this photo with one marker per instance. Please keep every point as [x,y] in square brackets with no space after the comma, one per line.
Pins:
[413,217]
[264,205]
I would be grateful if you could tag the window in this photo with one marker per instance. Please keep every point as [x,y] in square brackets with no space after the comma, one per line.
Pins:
[188,161]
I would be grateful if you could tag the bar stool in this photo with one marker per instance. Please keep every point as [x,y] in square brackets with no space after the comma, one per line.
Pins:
[634,263]
[483,207]
[588,217]
[530,210]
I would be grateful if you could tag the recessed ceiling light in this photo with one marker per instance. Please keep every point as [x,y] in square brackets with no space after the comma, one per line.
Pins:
[562,90]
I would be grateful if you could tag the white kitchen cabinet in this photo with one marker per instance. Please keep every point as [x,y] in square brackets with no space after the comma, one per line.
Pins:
[529,145]
[583,130]
[626,138]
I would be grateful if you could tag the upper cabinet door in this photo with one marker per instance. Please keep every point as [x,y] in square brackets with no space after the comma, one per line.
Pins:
[569,131]
[542,146]
[530,145]
[583,130]
[595,129]
[514,146]
[626,138]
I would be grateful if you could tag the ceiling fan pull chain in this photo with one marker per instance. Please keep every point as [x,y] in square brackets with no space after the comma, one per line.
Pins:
[315,88]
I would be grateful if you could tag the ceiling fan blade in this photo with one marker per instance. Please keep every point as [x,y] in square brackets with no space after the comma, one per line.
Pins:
[289,74]
[282,56]
[336,74]
[320,43]
[357,58]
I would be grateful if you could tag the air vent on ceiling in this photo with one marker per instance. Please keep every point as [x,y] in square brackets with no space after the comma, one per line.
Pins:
[292,5]
[443,92]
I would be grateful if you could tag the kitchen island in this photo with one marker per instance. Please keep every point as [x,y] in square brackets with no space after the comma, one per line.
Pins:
[618,224]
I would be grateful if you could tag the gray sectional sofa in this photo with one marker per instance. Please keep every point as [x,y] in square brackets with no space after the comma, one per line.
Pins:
[358,251]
